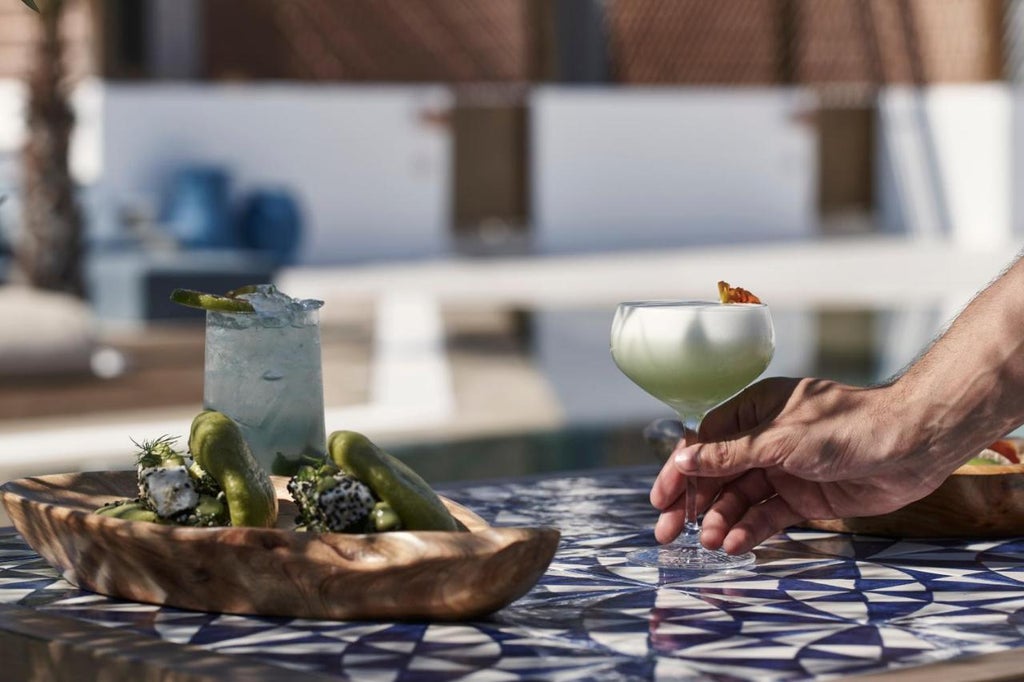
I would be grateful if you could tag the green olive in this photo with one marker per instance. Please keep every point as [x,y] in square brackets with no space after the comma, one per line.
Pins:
[211,511]
[384,518]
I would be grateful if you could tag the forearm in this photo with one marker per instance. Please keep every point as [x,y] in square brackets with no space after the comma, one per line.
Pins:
[968,388]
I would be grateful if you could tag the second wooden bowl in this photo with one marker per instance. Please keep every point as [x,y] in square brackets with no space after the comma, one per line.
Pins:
[976,501]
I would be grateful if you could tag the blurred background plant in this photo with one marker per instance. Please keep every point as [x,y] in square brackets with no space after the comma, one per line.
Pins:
[48,253]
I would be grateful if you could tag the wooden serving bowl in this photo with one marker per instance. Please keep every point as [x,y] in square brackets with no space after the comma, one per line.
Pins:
[976,501]
[274,571]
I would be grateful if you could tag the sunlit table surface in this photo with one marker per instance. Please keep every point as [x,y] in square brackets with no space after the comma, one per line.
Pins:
[815,606]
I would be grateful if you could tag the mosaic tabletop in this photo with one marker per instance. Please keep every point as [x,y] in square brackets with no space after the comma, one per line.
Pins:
[816,605]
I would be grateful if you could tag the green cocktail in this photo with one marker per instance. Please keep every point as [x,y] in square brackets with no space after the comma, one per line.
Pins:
[691,355]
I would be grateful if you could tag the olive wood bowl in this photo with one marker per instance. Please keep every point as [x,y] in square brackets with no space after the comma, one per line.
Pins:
[975,501]
[401,575]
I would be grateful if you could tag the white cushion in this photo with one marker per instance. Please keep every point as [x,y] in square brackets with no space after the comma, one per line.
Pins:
[44,332]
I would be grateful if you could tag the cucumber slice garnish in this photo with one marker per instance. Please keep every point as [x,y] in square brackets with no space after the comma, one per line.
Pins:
[251,289]
[204,301]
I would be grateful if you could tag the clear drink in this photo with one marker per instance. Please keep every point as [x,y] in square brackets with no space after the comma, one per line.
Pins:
[263,369]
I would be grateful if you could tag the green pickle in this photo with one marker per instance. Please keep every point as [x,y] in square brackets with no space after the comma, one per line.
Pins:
[219,448]
[130,510]
[234,488]
[409,497]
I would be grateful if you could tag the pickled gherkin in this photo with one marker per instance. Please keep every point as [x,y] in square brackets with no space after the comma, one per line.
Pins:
[218,483]
[410,498]
[218,447]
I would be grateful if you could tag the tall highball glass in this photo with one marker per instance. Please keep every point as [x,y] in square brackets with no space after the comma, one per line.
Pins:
[264,371]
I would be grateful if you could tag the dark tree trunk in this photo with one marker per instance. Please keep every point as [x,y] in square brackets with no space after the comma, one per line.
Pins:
[49,252]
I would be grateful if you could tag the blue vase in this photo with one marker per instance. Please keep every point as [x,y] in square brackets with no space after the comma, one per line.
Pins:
[271,222]
[199,211]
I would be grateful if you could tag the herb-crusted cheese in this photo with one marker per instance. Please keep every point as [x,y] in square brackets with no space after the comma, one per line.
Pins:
[169,490]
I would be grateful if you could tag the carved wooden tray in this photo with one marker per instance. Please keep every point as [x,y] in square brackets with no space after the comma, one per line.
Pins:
[976,501]
[274,571]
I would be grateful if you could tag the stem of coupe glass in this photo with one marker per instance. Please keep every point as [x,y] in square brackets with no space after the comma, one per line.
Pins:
[690,537]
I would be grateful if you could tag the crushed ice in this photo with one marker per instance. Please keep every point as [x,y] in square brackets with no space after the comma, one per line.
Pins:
[276,309]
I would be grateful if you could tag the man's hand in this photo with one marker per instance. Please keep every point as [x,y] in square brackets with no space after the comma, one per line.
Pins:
[785,450]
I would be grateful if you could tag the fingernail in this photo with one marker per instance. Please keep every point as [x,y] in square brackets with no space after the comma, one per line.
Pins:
[686,461]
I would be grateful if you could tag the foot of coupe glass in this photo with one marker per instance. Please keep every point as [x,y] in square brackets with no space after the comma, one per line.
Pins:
[687,558]
[686,553]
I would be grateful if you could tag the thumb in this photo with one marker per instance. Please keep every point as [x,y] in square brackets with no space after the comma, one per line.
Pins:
[719,458]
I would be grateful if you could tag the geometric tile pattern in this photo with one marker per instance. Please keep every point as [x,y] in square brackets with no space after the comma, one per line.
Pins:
[815,605]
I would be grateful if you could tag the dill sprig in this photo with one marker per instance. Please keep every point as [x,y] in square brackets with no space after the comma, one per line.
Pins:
[156,452]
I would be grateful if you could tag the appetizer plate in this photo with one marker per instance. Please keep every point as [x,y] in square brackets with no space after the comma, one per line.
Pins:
[976,501]
[274,571]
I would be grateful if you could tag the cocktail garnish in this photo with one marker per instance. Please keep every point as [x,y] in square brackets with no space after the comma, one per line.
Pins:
[204,301]
[265,289]
[729,294]
[1007,449]
[1002,452]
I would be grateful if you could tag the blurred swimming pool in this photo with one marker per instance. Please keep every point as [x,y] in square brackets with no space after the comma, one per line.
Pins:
[604,412]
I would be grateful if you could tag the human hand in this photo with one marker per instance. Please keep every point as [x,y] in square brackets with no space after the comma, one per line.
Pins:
[785,450]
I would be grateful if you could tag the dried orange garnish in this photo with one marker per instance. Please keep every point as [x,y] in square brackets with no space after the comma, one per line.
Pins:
[730,294]
[1007,449]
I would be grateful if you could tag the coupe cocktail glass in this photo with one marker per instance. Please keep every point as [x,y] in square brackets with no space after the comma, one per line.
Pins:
[263,369]
[691,355]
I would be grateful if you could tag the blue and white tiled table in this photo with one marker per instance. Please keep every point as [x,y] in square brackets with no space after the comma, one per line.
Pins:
[816,605]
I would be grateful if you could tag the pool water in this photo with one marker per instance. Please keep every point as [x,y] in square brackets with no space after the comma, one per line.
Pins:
[605,412]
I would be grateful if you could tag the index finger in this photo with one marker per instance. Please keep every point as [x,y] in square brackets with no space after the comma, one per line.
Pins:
[668,487]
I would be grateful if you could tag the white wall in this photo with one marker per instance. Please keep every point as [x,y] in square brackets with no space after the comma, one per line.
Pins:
[370,171]
[369,168]
[11,137]
[627,168]
[1017,163]
[945,163]
[611,167]
[85,139]
[12,94]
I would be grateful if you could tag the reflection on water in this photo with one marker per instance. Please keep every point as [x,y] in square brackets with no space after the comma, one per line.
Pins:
[574,448]
[605,412]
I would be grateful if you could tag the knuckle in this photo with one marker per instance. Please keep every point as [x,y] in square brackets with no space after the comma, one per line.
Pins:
[718,456]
